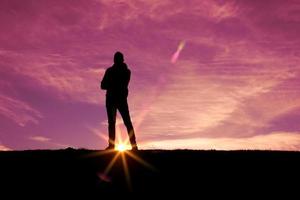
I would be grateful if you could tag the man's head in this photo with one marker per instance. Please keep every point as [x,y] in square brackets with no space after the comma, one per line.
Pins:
[118,58]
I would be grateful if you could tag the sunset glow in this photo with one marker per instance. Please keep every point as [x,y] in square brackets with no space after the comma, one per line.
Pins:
[206,74]
[122,147]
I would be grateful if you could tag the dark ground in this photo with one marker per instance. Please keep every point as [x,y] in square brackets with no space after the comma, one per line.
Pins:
[76,173]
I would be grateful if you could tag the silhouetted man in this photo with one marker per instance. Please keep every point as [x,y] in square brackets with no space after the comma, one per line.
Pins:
[115,82]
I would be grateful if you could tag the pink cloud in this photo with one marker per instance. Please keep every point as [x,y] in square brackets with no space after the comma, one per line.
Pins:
[126,12]
[47,142]
[273,141]
[60,73]
[18,111]
[210,103]
[40,138]
[4,148]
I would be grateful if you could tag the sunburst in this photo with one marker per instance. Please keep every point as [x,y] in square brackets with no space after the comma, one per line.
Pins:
[122,150]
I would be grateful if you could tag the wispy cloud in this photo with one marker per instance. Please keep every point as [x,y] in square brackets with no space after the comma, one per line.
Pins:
[39,138]
[135,10]
[62,74]
[210,101]
[18,111]
[4,148]
[273,141]
[47,141]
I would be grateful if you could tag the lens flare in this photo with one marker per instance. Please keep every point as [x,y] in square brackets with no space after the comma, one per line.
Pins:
[122,147]
[121,151]
[176,54]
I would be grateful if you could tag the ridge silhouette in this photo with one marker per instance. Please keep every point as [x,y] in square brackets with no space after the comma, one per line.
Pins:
[115,81]
[73,173]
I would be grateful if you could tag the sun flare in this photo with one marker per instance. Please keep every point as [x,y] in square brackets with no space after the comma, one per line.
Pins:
[122,147]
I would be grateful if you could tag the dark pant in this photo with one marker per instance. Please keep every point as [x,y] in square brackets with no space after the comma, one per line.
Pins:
[112,104]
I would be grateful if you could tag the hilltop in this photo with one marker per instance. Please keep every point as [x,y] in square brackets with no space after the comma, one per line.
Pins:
[76,173]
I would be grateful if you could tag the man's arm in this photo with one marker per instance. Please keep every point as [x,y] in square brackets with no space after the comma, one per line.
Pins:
[127,78]
[104,82]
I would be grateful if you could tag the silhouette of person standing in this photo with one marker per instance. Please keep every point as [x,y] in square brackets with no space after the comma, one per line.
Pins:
[115,82]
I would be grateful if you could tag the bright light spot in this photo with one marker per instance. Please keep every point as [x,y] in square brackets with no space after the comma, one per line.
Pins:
[122,147]
[176,54]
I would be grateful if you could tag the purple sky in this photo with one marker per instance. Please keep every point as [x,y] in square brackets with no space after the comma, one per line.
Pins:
[234,84]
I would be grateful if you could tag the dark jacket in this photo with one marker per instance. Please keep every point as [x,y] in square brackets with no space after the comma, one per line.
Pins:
[116,80]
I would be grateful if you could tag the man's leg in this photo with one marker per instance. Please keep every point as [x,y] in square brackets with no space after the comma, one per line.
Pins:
[111,116]
[124,111]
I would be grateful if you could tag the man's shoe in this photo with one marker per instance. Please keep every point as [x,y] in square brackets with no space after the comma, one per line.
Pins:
[134,148]
[109,148]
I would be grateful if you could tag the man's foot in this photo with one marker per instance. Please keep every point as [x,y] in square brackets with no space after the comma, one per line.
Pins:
[134,148]
[110,147]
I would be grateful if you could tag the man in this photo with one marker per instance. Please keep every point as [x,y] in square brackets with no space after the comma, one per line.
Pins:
[115,82]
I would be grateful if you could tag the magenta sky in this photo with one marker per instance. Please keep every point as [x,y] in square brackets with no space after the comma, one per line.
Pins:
[235,83]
